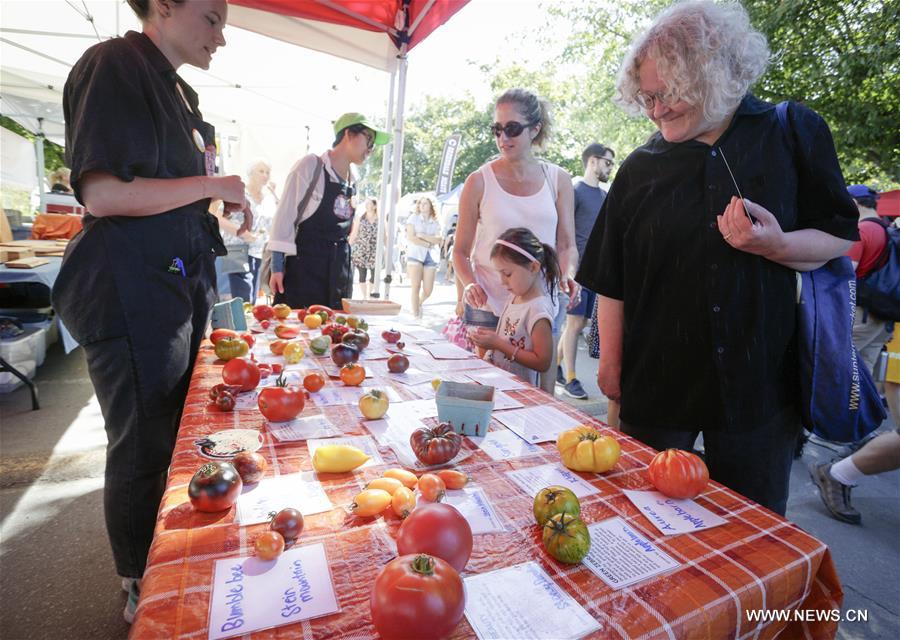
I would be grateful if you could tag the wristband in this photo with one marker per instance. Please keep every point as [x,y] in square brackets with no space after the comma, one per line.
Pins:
[512,358]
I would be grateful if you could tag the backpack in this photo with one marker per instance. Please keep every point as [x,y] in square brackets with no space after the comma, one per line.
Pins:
[879,291]
[838,398]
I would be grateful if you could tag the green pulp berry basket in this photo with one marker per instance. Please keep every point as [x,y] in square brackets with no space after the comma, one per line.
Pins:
[467,407]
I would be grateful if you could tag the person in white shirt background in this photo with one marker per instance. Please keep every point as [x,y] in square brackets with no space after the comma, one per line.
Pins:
[423,235]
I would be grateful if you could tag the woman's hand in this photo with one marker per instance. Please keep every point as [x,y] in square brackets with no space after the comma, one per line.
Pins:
[763,238]
[483,337]
[609,378]
[276,282]
[474,295]
[568,285]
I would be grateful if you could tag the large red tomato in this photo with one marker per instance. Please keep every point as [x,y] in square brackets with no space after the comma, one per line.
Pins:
[281,402]
[678,474]
[439,530]
[435,446]
[242,373]
[417,596]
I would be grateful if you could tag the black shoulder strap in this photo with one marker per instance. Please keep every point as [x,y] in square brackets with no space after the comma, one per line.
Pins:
[309,191]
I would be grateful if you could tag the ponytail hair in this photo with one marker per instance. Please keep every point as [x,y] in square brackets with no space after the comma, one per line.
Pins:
[543,253]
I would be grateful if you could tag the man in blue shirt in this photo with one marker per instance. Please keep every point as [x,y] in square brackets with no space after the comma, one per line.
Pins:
[598,164]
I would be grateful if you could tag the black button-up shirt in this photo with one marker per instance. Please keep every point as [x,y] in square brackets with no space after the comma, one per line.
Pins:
[709,330]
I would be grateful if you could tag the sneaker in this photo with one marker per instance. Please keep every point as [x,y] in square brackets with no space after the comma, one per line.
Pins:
[134,594]
[126,584]
[575,390]
[560,376]
[834,494]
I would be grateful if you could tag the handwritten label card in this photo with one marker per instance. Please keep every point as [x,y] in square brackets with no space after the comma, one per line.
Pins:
[533,479]
[538,424]
[673,516]
[497,378]
[503,401]
[503,444]
[366,443]
[476,508]
[303,428]
[250,594]
[298,490]
[447,351]
[245,401]
[392,428]
[620,556]
[516,603]
[413,409]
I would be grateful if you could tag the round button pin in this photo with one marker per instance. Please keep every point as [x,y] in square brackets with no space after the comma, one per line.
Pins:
[198,140]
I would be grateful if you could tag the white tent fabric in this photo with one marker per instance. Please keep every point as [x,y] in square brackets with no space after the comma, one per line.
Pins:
[17,166]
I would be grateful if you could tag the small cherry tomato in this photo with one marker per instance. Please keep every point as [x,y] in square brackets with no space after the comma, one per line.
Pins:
[269,545]
[314,382]
[432,487]
[288,522]
[225,401]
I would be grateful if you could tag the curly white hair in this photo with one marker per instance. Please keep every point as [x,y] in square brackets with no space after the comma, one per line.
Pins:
[707,54]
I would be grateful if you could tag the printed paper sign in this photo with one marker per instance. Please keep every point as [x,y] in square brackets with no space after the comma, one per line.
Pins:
[366,443]
[410,377]
[517,602]
[413,410]
[673,516]
[476,508]
[441,367]
[447,351]
[533,479]
[538,424]
[620,556]
[392,428]
[303,429]
[301,491]
[503,444]
[503,401]
[250,594]
[497,378]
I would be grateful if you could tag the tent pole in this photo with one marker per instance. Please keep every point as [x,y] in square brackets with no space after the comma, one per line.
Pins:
[385,173]
[396,169]
[39,162]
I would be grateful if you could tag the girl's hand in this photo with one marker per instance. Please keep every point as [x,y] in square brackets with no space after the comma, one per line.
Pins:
[483,337]
[762,238]
[460,309]
[474,295]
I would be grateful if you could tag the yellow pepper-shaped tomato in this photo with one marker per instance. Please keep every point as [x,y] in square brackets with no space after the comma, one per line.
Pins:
[338,458]
[586,449]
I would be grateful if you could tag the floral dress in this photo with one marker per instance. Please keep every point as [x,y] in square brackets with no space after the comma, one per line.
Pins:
[366,244]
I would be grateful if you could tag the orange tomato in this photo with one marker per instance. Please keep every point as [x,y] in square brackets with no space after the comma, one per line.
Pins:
[403,501]
[277,346]
[313,381]
[353,374]
[408,478]
[453,479]
[432,487]
[678,474]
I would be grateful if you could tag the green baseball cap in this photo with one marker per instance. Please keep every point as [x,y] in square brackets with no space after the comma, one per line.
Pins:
[350,119]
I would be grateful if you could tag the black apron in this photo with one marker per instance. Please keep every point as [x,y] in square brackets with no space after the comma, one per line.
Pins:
[321,273]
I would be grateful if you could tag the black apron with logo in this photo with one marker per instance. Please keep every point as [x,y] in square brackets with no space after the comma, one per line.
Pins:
[321,273]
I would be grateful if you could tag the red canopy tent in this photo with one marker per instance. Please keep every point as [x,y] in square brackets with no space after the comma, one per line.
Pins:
[377,33]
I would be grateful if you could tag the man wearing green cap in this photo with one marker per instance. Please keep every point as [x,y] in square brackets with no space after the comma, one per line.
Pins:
[310,252]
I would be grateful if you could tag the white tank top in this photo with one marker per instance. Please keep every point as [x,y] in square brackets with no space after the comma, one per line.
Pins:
[500,211]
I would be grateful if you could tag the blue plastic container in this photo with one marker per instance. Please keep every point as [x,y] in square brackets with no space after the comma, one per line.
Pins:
[467,407]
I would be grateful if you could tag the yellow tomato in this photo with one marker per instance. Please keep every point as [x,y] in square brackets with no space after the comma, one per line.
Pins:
[403,501]
[293,352]
[388,484]
[435,383]
[586,449]
[313,320]
[408,478]
[370,502]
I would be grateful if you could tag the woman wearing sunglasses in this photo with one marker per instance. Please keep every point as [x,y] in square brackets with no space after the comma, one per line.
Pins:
[696,298]
[515,190]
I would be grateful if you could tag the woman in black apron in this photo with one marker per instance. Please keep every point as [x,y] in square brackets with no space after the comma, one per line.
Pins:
[137,284]
[310,251]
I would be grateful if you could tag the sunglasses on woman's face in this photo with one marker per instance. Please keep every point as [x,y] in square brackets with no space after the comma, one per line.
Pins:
[511,129]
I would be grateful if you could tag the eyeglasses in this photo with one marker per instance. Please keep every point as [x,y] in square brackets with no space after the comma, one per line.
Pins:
[512,129]
[370,140]
[648,100]
[609,163]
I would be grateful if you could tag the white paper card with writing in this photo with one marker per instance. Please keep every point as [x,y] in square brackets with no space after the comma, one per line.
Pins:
[366,443]
[503,444]
[447,351]
[413,409]
[392,428]
[537,424]
[673,516]
[497,378]
[250,594]
[621,556]
[245,401]
[476,508]
[533,479]
[302,491]
[517,602]
[303,429]
[291,378]
[503,402]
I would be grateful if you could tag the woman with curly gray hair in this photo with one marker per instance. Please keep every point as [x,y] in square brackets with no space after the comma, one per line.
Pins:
[694,268]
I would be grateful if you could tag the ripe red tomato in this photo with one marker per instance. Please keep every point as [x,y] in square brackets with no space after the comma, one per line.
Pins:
[281,403]
[678,474]
[390,336]
[313,382]
[435,446]
[417,596]
[263,312]
[249,339]
[218,334]
[438,530]
[241,372]
[289,523]
[398,363]
[250,465]
[353,374]
[269,545]
[215,487]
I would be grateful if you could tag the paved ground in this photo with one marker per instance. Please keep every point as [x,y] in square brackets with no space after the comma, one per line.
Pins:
[56,573]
